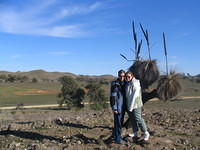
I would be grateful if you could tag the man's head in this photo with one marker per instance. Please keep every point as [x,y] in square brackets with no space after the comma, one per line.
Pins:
[121,75]
[129,76]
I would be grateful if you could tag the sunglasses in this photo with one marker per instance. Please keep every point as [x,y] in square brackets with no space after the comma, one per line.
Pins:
[128,77]
[121,76]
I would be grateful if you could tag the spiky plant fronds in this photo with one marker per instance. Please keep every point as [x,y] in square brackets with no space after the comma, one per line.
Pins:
[126,58]
[135,38]
[146,35]
[168,86]
[165,49]
[138,45]
[146,71]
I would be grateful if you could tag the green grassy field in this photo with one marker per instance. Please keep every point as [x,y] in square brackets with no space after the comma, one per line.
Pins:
[12,94]
[190,104]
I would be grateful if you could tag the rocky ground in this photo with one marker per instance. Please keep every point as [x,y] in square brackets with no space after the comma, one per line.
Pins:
[172,126]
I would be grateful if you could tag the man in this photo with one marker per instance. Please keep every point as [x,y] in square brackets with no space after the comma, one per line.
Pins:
[134,105]
[117,102]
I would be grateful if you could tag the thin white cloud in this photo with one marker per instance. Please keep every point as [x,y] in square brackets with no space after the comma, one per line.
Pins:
[62,31]
[172,65]
[79,9]
[15,56]
[33,20]
[183,35]
[58,53]
[173,57]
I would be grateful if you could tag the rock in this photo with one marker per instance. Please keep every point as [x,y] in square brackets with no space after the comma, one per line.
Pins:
[167,141]
[31,147]
[9,127]
[198,133]
[164,148]
[58,121]
[66,140]
[167,120]
[78,118]
[17,144]
[184,141]
[65,148]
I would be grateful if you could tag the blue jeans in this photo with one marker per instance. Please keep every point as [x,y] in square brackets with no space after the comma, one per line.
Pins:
[118,121]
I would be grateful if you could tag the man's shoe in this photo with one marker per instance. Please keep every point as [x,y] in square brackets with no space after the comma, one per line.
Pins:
[133,134]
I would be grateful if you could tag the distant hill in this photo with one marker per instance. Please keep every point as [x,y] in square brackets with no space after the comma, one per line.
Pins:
[198,75]
[190,84]
[44,75]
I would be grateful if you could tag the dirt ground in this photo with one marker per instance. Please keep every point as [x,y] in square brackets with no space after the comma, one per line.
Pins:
[173,125]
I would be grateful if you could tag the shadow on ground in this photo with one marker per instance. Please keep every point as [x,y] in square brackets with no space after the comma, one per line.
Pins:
[84,139]
[30,135]
[80,126]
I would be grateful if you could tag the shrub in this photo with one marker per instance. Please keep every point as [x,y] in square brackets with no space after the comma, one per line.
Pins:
[97,96]
[20,106]
[71,93]
[34,80]
[198,80]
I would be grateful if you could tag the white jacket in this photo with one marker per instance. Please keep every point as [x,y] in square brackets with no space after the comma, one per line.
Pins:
[133,94]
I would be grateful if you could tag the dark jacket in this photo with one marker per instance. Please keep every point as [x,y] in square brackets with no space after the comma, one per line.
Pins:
[117,96]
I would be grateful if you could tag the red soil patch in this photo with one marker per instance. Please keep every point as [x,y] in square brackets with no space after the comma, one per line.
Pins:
[36,92]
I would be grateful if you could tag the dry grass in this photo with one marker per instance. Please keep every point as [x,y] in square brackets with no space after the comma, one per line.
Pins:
[146,71]
[168,86]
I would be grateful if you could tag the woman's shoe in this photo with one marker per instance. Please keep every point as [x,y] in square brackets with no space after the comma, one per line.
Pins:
[146,136]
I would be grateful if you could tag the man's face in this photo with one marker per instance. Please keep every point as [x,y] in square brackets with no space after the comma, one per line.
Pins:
[121,76]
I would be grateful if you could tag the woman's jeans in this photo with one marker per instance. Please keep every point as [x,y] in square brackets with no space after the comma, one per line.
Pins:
[137,120]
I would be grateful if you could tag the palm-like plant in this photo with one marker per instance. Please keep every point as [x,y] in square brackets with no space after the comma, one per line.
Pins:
[147,71]
[144,70]
[168,85]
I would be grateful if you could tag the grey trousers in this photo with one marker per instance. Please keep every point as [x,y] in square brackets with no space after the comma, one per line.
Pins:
[137,121]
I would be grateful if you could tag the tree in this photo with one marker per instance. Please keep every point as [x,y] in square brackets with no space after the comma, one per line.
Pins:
[198,80]
[24,79]
[97,96]
[78,97]
[3,77]
[71,93]
[11,78]
[34,80]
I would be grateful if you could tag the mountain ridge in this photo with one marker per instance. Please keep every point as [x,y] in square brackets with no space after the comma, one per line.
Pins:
[43,74]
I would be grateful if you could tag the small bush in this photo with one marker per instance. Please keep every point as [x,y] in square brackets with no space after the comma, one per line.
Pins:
[97,96]
[71,93]
[197,80]
[20,106]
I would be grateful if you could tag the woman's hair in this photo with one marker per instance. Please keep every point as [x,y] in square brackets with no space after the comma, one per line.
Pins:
[129,72]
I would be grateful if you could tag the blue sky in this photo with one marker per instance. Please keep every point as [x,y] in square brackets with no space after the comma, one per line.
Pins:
[87,36]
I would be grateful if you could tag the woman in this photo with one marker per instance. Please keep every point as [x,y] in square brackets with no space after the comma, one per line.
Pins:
[134,105]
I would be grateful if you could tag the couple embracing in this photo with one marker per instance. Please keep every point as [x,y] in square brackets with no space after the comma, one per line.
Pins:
[126,96]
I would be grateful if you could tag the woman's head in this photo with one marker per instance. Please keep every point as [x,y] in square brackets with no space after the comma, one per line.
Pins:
[129,76]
